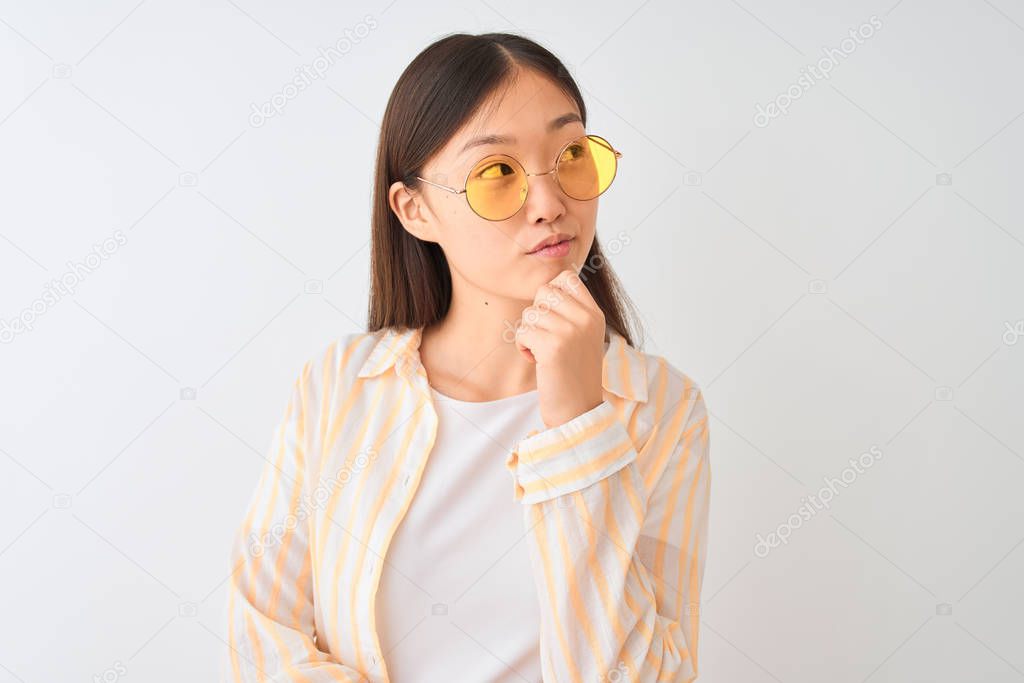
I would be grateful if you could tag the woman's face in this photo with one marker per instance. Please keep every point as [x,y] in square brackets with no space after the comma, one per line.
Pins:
[537,120]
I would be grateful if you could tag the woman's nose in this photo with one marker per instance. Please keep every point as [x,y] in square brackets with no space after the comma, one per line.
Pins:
[545,201]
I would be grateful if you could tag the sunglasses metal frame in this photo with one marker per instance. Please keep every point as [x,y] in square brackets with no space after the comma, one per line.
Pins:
[599,140]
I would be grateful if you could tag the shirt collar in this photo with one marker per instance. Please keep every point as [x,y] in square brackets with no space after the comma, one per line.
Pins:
[623,371]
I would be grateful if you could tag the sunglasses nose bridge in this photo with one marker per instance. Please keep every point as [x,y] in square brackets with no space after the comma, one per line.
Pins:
[553,172]
[553,169]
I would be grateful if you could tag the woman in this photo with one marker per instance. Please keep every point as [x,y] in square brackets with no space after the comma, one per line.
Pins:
[491,483]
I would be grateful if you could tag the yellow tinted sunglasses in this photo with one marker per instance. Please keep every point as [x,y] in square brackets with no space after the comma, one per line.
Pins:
[496,187]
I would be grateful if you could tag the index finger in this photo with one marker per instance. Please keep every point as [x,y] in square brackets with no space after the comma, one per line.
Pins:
[570,282]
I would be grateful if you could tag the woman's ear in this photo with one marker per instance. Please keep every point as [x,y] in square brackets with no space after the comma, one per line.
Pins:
[408,205]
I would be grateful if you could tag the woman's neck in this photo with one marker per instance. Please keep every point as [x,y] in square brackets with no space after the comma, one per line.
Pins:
[471,354]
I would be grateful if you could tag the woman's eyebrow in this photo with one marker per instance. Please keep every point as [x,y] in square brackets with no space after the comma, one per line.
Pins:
[555,124]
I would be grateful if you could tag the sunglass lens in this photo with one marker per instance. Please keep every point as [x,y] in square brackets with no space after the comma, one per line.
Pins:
[496,188]
[587,167]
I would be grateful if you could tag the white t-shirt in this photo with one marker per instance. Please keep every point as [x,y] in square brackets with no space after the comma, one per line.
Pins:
[462,546]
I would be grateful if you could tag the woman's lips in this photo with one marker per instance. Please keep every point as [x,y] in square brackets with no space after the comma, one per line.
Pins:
[554,250]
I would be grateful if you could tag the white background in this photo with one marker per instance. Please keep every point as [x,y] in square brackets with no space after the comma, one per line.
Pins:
[820,277]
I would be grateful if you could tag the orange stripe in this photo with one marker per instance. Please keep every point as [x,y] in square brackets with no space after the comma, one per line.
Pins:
[631,602]
[326,382]
[293,508]
[624,369]
[555,449]
[678,476]
[677,485]
[611,607]
[578,473]
[583,619]
[333,615]
[331,386]
[257,646]
[236,666]
[556,621]
[654,471]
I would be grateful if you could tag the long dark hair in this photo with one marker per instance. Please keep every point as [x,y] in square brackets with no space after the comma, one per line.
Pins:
[410,283]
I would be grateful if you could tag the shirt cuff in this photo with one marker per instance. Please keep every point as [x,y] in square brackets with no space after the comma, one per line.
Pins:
[570,456]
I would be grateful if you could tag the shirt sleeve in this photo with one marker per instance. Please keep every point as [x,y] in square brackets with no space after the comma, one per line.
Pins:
[270,623]
[618,572]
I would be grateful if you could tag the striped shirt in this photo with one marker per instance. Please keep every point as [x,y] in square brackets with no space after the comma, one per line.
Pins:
[615,509]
